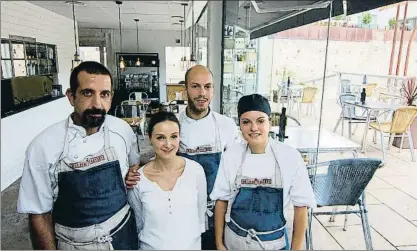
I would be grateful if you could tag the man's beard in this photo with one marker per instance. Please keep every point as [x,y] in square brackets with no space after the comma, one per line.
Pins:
[93,122]
[193,108]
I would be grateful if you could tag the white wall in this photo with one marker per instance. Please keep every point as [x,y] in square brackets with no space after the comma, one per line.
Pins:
[305,59]
[25,19]
[149,42]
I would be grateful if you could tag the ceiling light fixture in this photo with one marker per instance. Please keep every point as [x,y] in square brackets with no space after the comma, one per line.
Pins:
[137,40]
[76,61]
[122,64]
[193,61]
[184,58]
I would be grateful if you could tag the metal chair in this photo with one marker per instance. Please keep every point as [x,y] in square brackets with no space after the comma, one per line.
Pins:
[344,184]
[174,105]
[400,124]
[274,120]
[370,88]
[349,113]
[345,86]
[130,112]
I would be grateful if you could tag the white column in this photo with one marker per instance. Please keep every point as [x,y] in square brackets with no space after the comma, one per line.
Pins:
[214,44]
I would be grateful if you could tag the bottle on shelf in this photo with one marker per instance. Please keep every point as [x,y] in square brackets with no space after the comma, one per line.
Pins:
[363,96]
[282,125]
[364,80]
[288,82]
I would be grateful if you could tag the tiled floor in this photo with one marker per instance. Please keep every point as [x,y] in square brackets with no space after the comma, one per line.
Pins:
[391,198]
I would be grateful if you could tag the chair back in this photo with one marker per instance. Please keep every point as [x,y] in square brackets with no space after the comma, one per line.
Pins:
[369,89]
[345,181]
[308,94]
[345,86]
[348,111]
[403,117]
[291,121]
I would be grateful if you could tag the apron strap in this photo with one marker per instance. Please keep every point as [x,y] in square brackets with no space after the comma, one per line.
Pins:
[66,141]
[253,234]
[218,142]
[106,135]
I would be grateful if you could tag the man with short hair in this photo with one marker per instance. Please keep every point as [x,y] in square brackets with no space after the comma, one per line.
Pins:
[73,184]
[205,134]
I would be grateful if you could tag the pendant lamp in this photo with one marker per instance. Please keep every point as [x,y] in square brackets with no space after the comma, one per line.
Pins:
[122,64]
[137,41]
[76,61]
[192,61]
[184,58]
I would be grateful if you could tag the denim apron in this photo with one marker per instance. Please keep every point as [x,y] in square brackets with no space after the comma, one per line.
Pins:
[255,213]
[91,210]
[210,161]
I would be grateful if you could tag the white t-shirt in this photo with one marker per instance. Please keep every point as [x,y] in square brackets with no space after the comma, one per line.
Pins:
[171,219]
[35,194]
[202,132]
[296,183]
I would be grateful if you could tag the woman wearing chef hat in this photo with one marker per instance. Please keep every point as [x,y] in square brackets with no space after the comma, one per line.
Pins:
[257,181]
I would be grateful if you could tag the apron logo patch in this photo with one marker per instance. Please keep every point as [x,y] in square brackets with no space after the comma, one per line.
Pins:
[87,162]
[200,149]
[256,181]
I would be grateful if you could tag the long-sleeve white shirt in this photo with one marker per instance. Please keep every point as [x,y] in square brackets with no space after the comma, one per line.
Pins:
[171,219]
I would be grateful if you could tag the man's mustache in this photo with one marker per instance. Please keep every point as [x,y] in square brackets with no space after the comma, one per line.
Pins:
[201,98]
[95,111]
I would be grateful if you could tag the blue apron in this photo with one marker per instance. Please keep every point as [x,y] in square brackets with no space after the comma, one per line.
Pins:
[210,161]
[91,209]
[255,214]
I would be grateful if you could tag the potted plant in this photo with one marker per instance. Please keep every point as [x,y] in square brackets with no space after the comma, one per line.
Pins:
[409,92]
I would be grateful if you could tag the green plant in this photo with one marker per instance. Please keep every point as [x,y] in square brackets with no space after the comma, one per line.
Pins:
[367,18]
[409,90]
[391,23]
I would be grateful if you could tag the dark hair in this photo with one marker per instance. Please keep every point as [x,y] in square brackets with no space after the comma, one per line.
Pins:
[161,117]
[90,67]
[189,71]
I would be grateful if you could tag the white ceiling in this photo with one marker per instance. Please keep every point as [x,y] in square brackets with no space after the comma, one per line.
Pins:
[152,15]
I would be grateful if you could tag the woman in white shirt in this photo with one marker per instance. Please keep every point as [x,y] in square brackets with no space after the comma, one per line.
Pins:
[170,202]
[257,180]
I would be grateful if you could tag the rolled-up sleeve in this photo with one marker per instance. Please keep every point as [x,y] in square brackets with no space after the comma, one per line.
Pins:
[35,193]
[202,198]
[301,191]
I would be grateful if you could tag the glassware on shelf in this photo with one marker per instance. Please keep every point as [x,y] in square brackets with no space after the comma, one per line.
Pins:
[19,68]
[5,50]
[18,51]
[6,69]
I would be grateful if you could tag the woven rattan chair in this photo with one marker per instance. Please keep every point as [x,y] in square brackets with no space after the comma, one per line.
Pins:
[398,127]
[343,185]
